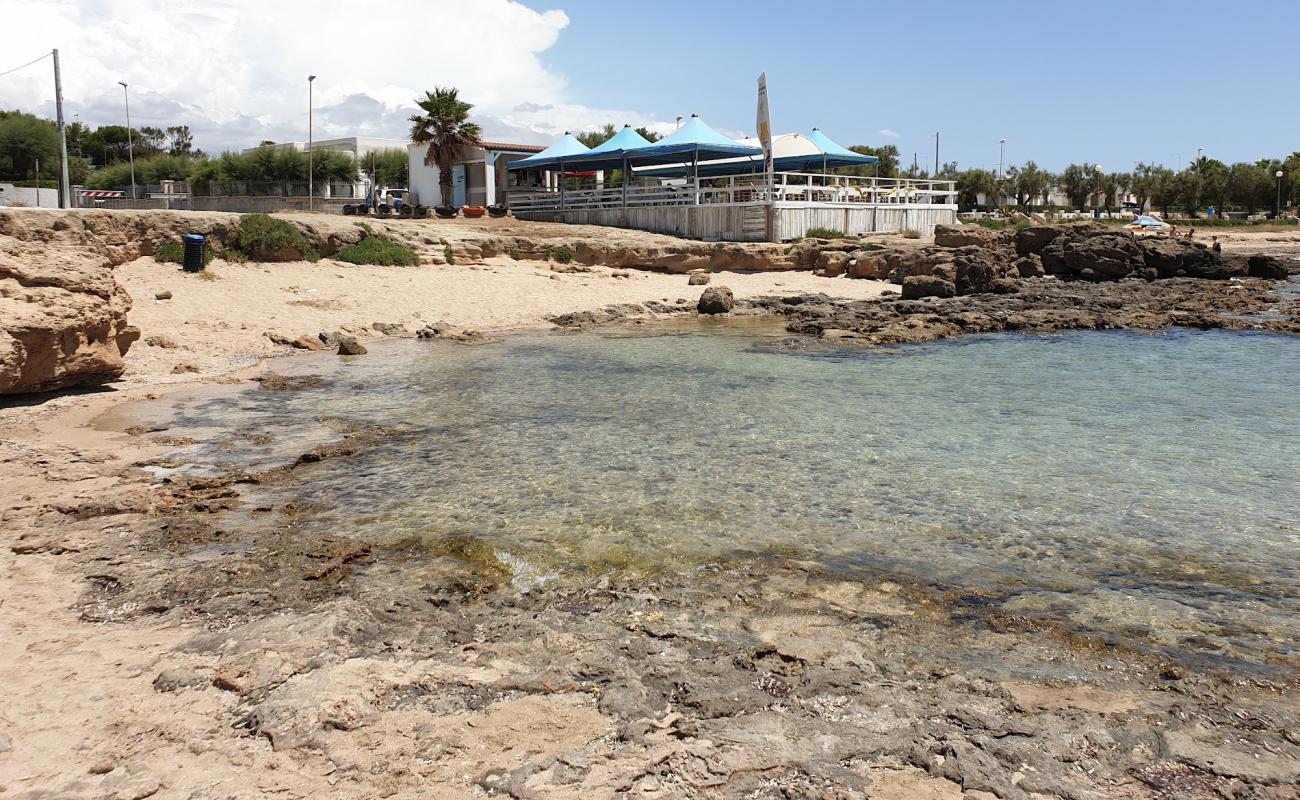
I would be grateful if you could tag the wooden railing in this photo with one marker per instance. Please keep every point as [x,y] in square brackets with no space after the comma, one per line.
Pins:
[787,188]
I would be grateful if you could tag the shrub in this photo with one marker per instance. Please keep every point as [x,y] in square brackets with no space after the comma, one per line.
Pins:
[823,233]
[262,236]
[377,250]
[174,253]
[563,254]
[448,255]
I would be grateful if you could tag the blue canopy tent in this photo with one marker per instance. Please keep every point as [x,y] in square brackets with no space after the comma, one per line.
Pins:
[834,155]
[692,143]
[791,152]
[554,157]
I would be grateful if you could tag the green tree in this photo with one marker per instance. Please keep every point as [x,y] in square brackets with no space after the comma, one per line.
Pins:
[1143,183]
[1187,190]
[388,167]
[1079,182]
[597,137]
[1214,182]
[180,142]
[24,139]
[1027,183]
[887,168]
[971,184]
[445,129]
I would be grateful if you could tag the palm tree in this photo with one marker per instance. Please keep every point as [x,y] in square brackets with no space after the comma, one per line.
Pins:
[445,128]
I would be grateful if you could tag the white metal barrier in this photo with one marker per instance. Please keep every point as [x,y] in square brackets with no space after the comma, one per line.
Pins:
[785,188]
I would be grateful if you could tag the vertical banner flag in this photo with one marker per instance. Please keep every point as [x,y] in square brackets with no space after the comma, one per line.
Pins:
[764,125]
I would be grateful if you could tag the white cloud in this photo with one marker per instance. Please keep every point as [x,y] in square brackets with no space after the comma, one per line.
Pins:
[236,71]
[888,134]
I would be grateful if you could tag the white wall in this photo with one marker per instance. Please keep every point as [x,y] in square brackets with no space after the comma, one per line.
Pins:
[424,178]
[13,195]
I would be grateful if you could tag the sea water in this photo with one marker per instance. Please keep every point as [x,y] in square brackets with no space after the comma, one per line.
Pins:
[1144,488]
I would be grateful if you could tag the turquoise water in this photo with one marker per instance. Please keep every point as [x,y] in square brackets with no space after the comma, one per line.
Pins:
[1138,487]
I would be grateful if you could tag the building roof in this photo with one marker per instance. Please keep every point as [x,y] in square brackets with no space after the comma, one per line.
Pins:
[522,148]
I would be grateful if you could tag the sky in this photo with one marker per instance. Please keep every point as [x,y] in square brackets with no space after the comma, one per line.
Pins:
[1104,82]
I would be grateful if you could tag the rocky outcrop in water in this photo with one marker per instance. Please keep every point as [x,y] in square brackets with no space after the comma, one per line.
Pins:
[1041,305]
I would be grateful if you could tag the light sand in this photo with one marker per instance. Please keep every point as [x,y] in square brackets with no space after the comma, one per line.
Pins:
[219,319]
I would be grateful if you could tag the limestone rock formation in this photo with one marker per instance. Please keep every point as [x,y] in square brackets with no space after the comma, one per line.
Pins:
[918,286]
[716,300]
[62,315]
[965,236]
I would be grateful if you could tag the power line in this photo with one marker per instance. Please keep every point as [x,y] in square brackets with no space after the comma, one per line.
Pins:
[28,64]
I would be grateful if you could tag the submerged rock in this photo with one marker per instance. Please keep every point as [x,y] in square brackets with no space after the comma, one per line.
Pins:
[349,346]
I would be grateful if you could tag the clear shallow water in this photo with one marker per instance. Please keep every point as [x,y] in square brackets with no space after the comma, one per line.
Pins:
[1139,487]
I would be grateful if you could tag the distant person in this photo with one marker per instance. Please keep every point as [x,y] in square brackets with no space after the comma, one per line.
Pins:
[1191,233]
[1216,246]
[1173,230]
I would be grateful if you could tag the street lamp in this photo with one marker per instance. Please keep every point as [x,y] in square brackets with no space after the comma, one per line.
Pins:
[1002,150]
[1199,150]
[130,142]
[1277,209]
[311,195]
[1097,170]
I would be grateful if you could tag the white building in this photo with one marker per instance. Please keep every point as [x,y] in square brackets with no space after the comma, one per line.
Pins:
[355,146]
[480,176]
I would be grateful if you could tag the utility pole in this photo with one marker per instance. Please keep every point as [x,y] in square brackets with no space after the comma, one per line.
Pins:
[311,187]
[936,154]
[38,182]
[65,188]
[130,141]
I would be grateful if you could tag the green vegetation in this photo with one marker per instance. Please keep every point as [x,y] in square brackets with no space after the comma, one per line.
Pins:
[823,233]
[174,253]
[389,167]
[263,237]
[602,135]
[448,255]
[267,163]
[378,250]
[445,129]
[563,254]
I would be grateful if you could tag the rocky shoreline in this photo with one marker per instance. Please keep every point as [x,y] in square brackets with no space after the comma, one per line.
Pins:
[399,670]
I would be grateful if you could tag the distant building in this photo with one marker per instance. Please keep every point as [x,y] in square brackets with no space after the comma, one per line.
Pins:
[480,176]
[355,146]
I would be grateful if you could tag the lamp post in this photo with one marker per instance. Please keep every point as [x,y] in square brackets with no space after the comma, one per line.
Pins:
[1277,209]
[130,141]
[1002,151]
[1199,150]
[1097,170]
[311,186]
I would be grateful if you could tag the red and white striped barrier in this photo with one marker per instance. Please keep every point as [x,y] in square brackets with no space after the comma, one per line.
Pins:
[97,194]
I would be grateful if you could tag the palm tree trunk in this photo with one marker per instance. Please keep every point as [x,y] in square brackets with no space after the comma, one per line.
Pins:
[444,187]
